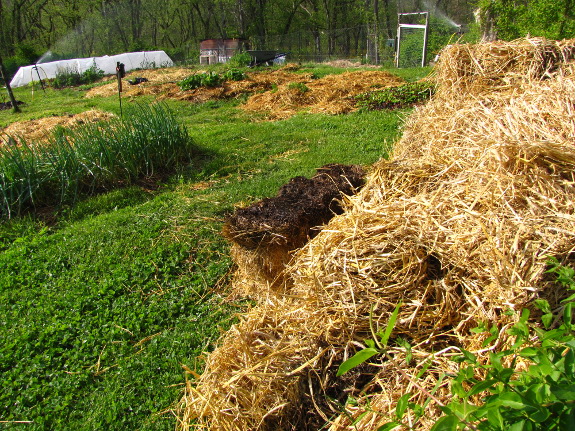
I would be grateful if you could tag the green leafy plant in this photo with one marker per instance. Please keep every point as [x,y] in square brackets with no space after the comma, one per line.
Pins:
[298,86]
[403,96]
[211,79]
[241,59]
[71,77]
[374,346]
[205,79]
[537,397]
[92,74]
[191,82]
[234,75]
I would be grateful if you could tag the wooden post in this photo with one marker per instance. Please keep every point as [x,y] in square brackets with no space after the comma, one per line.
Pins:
[120,73]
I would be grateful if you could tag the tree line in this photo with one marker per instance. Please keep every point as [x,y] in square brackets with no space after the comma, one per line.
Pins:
[346,28]
[80,28]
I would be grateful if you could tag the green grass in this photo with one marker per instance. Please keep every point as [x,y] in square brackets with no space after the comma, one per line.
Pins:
[103,302]
[39,104]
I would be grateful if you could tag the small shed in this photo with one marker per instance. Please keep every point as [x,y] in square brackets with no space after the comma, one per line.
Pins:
[220,50]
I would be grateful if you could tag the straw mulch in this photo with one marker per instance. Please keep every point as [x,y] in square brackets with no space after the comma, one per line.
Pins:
[333,94]
[159,81]
[273,93]
[264,234]
[40,129]
[457,227]
[164,84]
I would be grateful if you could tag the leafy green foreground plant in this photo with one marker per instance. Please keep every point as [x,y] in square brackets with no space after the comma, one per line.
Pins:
[210,79]
[539,396]
[396,97]
[91,158]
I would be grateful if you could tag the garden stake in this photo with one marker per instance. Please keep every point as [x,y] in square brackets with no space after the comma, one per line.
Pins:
[120,73]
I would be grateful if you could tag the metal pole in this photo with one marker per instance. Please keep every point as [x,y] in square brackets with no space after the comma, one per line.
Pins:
[397,49]
[39,79]
[423,59]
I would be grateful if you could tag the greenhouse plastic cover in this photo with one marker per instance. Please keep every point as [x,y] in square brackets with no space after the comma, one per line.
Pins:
[131,60]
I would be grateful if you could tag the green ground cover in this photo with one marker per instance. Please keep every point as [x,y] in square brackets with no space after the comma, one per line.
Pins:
[103,302]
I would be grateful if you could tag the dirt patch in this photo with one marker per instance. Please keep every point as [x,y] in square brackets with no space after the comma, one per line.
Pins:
[37,130]
[264,234]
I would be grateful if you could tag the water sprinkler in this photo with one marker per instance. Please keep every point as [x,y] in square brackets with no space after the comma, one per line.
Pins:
[39,77]
[120,73]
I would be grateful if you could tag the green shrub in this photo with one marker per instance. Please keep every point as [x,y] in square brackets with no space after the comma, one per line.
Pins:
[536,396]
[241,59]
[403,96]
[234,75]
[91,158]
[67,77]
[210,79]
[92,74]
[206,79]
[298,86]
[70,77]
[191,82]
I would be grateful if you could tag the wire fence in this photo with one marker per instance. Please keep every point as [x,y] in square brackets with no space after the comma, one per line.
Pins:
[360,43]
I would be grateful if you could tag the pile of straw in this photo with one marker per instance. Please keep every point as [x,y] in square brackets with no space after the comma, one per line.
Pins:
[159,82]
[164,84]
[40,129]
[271,91]
[332,94]
[457,227]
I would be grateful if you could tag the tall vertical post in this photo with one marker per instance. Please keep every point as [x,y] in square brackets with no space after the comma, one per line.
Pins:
[120,73]
[376,13]
[425,35]
[398,47]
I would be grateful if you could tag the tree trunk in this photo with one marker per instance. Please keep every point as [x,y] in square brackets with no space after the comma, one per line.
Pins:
[4,74]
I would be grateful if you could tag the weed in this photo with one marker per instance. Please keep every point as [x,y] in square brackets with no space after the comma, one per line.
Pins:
[396,97]
[534,397]
[71,77]
[298,86]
